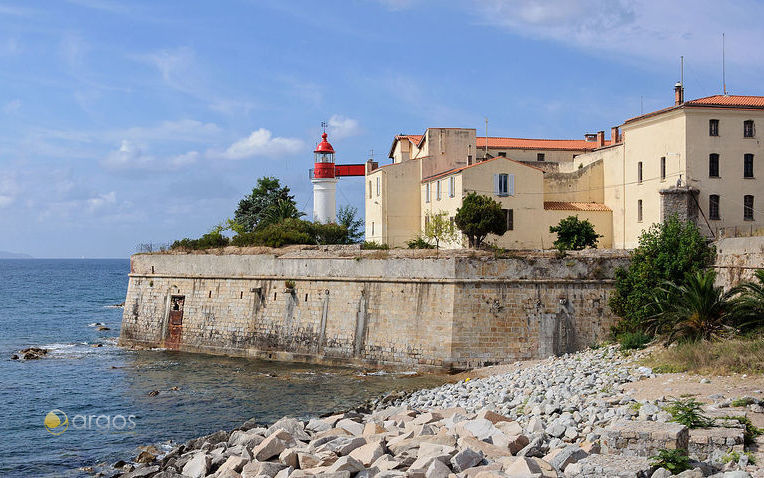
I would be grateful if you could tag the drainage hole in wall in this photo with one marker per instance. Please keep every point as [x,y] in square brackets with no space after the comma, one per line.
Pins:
[306,297]
[210,295]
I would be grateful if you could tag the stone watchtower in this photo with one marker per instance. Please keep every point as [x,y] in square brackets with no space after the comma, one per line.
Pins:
[680,200]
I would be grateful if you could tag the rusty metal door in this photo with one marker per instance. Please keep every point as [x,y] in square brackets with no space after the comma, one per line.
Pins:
[176,321]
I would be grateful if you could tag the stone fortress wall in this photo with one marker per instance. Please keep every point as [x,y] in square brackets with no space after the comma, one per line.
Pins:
[450,311]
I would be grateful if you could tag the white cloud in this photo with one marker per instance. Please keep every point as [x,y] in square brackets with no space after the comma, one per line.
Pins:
[262,143]
[101,200]
[132,159]
[12,106]
[636,29]
[341,127]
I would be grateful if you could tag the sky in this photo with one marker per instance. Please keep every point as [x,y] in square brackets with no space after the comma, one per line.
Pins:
[124,123]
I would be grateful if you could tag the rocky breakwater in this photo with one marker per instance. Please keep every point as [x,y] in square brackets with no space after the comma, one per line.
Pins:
[564,417]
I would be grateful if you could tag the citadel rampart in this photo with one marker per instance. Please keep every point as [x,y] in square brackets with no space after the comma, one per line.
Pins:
[447,311]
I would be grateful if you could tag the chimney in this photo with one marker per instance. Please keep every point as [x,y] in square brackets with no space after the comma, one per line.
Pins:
[371,165]
[590,137]
[614,135]
[600,138]
[678,94]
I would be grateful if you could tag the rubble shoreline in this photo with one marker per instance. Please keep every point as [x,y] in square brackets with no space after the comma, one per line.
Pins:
[565,416]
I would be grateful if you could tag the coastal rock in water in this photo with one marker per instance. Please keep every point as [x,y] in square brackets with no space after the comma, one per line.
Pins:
[142,471]
[198,466]
[145,457]
[33,353]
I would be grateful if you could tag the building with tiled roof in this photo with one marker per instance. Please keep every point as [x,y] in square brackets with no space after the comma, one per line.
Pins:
[698,159]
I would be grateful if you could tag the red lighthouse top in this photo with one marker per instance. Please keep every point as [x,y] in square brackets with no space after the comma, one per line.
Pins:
[324,146]
[323,158]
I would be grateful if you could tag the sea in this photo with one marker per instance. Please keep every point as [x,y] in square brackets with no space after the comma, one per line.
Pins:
[109,401]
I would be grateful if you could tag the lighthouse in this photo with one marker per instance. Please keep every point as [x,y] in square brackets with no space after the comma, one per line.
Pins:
[324,181]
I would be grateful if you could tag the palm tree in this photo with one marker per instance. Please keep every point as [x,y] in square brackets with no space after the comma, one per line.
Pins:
[748,306]
[278,211]
[696,310]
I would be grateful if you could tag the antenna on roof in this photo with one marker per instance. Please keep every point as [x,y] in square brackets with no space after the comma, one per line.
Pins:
[324,125]
[681,70]
[486,139]
[724,69]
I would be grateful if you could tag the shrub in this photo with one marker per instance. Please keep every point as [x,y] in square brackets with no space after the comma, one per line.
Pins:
[478,217]
[419,243]
[634,340]
[688,412]
[734,457]
[373,245]
[293,231]
[290,284]
[574,234]
[666,252]
[212,239]
[748,306]
[268,203]
[675,461]
[346,216]
[742,402]
[696,310]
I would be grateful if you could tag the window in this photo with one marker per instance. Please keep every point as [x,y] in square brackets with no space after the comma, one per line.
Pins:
[437,190]
[377,186]
[504,184]
[748,207]
[451,186]
[748,166]
[713,207]
[502,154]
[469,160]
[713,127]
[748,131]
[713,165]
[369,189]
[509,216]
[663,168]
[639,210]
[427,192]
[539,156]
[639,172]
[426,221]
[372,228]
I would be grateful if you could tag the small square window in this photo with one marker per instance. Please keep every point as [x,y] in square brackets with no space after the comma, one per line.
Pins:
[540,156]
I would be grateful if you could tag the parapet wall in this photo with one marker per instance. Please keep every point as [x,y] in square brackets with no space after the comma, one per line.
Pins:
[450,311]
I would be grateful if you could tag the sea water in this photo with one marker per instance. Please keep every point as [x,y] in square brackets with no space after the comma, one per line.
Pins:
[116,399]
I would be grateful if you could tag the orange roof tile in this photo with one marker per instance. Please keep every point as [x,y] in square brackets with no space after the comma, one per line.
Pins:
[729,100]
[574,206]
[526,143]
[715,101]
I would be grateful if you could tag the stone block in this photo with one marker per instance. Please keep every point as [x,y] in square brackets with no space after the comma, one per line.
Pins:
[703,441]
[643,438]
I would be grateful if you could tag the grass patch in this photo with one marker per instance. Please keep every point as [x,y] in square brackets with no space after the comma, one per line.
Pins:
[373,245]
[741,355]
[634,340]
[734,457]
[742,402]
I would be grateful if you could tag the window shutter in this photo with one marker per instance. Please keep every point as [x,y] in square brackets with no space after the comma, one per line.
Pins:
[496,184]
[511,184]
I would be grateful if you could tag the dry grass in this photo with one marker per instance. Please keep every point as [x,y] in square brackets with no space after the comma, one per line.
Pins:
[718,358]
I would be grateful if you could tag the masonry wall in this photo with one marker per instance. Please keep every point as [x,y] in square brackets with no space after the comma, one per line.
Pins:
[737,258]
[449,312]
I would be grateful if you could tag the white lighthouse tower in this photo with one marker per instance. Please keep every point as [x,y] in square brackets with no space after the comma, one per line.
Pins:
[324,181]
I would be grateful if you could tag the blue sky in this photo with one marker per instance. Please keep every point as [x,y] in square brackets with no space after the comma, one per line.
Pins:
[131,122]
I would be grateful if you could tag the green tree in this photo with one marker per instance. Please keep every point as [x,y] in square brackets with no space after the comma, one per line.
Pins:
[438,227]
[748,306]
[269,201]
[667,251]
[346,216]
[694,310]
[574,234]
[479,216]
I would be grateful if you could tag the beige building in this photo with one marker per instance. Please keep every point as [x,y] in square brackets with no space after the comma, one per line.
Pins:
[697,159]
